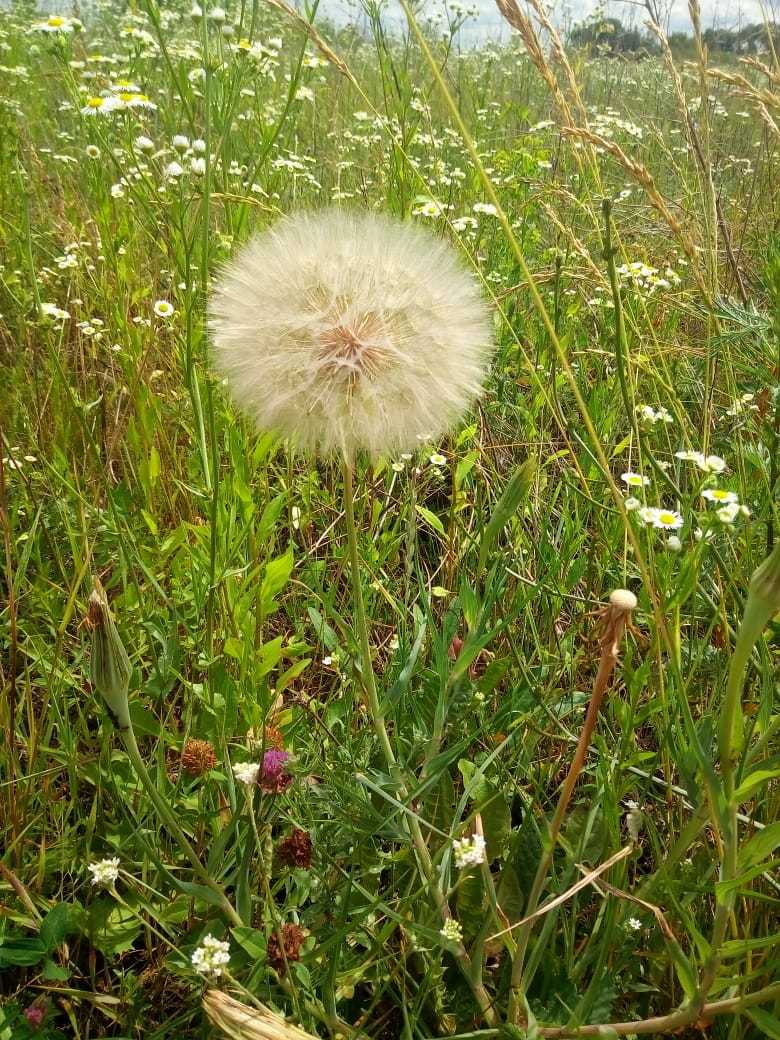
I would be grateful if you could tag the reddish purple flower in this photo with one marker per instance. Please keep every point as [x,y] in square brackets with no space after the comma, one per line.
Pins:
[274,778]
[35,1015]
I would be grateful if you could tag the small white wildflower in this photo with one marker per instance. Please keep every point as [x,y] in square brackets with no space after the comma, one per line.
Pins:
[180,143]
[105,871]
[247,772]
[163,309]
[198,166]
[718,495]
[728,514]
[634,924]
[632,503]
[634,479]
[469,851]
[199,146]
[712,464]
[438,460]
[673,543]
[667,520]
[174,170]
[648,514]
[211,956]
[399,467]
[143,144]
[92,151]
[451,930]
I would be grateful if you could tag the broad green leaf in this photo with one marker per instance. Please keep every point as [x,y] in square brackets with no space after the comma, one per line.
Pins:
[431,519]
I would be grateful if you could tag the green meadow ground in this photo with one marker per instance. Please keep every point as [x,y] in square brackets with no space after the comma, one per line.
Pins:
[484,558]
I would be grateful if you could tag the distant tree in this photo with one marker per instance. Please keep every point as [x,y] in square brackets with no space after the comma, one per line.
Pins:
[607,35]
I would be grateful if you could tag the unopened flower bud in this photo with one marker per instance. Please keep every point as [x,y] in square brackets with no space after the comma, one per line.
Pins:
[764,589]
[111,668]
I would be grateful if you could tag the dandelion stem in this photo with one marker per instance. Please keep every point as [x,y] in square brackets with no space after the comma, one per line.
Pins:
[471,972]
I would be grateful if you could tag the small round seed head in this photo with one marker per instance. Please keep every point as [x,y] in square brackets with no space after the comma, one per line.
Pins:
[197,757]
[349,330]
[295,849]
[623,599]
[280,954]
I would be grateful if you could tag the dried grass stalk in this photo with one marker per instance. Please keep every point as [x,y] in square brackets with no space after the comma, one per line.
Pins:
[241,1022]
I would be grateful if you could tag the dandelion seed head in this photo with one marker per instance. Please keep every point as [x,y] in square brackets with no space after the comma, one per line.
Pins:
[347,330]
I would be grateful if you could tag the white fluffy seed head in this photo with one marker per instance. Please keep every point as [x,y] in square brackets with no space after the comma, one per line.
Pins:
[349,331]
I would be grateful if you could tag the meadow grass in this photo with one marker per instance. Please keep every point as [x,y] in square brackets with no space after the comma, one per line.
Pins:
[619,761]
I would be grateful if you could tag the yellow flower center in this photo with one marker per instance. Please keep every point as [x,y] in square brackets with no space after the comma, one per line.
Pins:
[667,518]
[55,21]
[95,102]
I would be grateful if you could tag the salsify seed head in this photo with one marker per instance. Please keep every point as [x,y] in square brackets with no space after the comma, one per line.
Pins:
[346,331]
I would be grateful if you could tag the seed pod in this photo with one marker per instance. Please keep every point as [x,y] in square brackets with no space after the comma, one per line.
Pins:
[110,668]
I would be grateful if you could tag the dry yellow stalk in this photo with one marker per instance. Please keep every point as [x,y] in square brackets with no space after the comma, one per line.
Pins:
[241,1022]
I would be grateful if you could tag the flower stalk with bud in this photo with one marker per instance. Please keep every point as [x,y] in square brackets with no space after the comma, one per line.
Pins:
[110,673]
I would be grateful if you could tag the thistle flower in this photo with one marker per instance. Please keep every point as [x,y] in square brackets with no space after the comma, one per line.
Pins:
[348,330]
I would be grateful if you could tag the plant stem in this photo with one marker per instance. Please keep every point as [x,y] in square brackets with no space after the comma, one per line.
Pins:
[368,682]
[166,814]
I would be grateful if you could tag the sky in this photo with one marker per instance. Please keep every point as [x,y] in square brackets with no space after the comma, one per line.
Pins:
[728,14]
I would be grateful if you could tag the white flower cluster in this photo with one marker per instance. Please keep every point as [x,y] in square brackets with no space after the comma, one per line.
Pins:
[469,851]
[105,871]
[451,930]
[211,956]
[246,772]
[652,415]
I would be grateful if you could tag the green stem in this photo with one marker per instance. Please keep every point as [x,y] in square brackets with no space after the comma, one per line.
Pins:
[368,682]
[167,815]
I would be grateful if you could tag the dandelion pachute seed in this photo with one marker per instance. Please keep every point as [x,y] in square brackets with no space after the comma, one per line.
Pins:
[346,331]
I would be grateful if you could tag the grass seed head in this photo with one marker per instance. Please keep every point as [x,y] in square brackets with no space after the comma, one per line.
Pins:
[348,330]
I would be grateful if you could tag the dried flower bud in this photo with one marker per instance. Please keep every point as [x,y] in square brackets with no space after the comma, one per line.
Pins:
[280,954]
[198,757]
[295,849]
[110,667]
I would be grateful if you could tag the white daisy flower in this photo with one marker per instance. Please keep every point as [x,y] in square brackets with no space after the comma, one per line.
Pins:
[667,520]
[718,495]
[163,309]
[634,479]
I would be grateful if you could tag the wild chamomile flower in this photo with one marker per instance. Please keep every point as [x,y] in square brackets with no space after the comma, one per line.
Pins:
[174,170]
[164,309]
[667,520]
[92,151]
[57,24]
[720,496]
[51,310]
[101,106]
[198,165]
[451,930]
[648,514]
[143,144]
[105,871]
[180,143]
[469,851]
[706,463]
[673,543]
[728,514]
[437,460]
[634,479]
[247,772]
[211,957]
[632,504]
[346,330]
